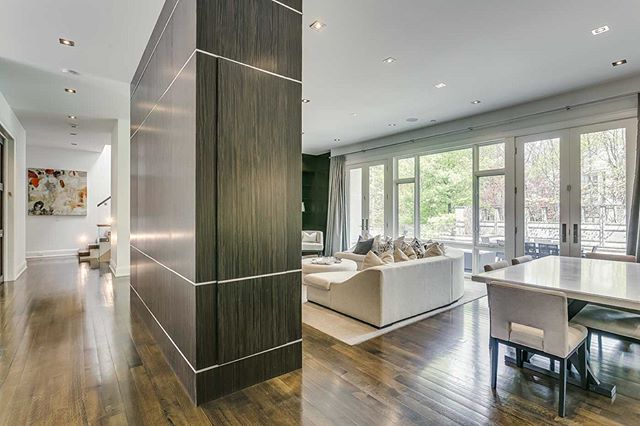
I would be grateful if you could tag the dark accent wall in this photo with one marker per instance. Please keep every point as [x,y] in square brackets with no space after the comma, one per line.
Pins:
[216,191]
[315,192]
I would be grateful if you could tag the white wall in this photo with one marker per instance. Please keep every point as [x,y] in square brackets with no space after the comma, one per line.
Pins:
[15,192]
[64,235]
[120,201]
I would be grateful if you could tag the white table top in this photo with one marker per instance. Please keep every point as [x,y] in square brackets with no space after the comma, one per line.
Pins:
[606,282]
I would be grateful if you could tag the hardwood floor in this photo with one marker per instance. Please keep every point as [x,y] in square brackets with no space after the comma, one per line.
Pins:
[72,353]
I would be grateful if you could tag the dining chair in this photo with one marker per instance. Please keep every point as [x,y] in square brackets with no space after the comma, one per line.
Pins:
[610,322]
[521,259]
[536,321]
[497,265]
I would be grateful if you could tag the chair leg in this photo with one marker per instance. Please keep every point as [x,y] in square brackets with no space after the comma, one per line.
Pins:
[582,357]
[562,394]
[519,356]
[493,343]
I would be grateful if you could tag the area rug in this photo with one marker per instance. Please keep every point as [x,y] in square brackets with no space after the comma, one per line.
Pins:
[353,332]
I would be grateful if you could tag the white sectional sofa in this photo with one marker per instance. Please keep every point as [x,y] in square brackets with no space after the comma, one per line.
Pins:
[358,258]
[383,295]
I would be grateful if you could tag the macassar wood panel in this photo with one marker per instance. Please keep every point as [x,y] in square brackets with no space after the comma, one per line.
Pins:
[259,173]
[259,33]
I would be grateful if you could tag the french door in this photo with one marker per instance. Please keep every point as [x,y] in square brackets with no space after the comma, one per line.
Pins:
[367,200]
[573,190]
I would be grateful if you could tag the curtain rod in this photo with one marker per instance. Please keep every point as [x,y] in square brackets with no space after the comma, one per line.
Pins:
[492,124]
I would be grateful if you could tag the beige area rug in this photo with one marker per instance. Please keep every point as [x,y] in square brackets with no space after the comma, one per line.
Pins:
[352,331]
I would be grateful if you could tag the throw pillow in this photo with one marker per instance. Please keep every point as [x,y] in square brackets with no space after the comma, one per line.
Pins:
[410,253]
[434,249]
[399,242]
[387,257]
[371,260]
[375,247]
[309,237]
[399,256]
[363,246]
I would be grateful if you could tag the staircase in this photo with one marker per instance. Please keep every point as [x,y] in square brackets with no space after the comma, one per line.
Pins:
[98,251]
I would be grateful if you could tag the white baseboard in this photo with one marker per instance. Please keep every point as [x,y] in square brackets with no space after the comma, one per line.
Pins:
[119,271]
[20,270]
[51,253]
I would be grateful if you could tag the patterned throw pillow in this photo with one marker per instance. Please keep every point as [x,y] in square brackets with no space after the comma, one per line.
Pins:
[418,248]
[434,249]
[385,244]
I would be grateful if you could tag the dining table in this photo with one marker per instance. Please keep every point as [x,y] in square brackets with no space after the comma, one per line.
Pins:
[585,281]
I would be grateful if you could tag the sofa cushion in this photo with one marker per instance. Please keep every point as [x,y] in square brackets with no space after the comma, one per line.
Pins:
[371,260]
[324,280]
[312,246]
[410,252]
[386,257]
[399,256]
[309,237]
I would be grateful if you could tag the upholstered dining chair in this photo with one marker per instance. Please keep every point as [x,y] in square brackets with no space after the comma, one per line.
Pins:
[497,265]
[536,321]
[521,259]
[611,322]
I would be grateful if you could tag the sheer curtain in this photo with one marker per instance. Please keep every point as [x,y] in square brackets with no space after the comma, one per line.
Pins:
[634,216]
[336,239]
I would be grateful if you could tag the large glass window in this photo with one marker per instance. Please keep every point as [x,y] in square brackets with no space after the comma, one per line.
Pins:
[355,204]
[446,193]
[376,200]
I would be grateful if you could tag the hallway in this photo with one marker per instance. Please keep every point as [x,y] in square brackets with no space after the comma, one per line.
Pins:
[71,353]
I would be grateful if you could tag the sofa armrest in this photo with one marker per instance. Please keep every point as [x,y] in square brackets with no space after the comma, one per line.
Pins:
[359,296]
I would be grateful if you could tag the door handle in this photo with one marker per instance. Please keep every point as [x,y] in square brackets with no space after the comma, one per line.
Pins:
[362,224]
[575,233]
[564,232]
[367,224]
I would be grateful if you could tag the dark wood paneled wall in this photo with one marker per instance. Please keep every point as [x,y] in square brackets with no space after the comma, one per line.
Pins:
[216,180]
[315,192]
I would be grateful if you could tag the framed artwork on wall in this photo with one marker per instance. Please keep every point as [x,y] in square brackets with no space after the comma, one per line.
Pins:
[53,192]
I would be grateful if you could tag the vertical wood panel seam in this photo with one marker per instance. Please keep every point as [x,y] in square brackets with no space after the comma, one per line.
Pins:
[153,52]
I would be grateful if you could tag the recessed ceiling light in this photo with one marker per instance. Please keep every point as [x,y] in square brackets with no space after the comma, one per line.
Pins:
[317,25]
[336,140]
[73,126]
[74,144]
[389,60]
[433,121]
[412,119]
[354,114]
[70,90]
[392,124]
[67,42]
[70,71]
[476,102]
[73,134]
[306,101]
[600,30]
[440,85]
[71,117]
[620,62]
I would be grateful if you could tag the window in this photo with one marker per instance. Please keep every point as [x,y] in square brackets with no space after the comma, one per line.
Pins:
[491,157]
[406,209]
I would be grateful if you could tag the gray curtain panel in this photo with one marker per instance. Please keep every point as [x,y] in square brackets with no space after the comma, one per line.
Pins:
[633,229]
[336,239]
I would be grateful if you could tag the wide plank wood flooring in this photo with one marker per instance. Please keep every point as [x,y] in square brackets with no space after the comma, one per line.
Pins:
[71,352]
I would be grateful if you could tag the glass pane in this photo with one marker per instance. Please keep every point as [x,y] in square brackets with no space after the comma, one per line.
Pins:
[491,209]
[355,205]
[542,198]
[376,200]
[446,194]
[603,191]
[491,157]
[406,204]
[406,168]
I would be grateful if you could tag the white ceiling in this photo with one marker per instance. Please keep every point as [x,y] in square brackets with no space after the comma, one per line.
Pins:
[110,37]
[502,52]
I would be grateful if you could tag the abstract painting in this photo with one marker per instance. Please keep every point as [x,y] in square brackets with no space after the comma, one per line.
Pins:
[55,192]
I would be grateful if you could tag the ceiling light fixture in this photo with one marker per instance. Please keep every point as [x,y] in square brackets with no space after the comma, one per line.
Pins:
[389,60]
[73,134]
[70,71]
[440,85]
[620,62]
[70,90]
[412,119]
[354,114]
[476,102]
[336,140]
[317,25]
[306,101]
[392,124]
[74,144]
[67,42]
[433,121]
[73,126]
[600,30]
[71,117]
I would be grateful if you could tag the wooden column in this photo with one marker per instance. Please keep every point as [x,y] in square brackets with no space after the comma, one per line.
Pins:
[215,191]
